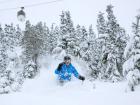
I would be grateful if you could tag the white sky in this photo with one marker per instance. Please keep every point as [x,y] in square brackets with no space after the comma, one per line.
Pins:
[83,12]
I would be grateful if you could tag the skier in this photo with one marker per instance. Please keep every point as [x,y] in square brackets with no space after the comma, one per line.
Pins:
[65,71]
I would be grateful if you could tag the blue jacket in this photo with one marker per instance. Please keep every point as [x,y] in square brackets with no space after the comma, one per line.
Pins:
[66,71]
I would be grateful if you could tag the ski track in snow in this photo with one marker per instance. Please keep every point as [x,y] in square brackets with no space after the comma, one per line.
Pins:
[43,90]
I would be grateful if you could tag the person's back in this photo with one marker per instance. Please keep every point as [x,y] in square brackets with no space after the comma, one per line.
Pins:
[65,70]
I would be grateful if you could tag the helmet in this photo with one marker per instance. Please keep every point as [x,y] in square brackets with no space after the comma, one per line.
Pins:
[67,58]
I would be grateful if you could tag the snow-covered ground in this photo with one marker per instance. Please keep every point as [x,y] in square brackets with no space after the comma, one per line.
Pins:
[43,90]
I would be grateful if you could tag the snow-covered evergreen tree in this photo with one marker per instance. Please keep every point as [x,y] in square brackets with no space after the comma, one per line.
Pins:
[69,23]
[45,37]
[84,33]
[101,24]
[63,28]
[39,43]
[30,70]
[33,44]
[14,70]
[18,36]
[131,68]
[26,42]
[91,34]
[90,38]
[112,40]
[83,42]
[8,42]
[115,46]
[3,52]
[96,51]
[67,33]
[78,34]
[10,32]
[53,38]
[101,45]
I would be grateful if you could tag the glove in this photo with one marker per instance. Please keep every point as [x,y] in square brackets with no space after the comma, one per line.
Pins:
[81,78]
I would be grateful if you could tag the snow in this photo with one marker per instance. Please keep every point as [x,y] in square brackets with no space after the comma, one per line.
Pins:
[58,53]
[43,90]
[130,63]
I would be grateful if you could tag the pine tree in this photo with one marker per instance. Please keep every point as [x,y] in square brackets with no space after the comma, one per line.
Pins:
[102,45]
[98,64]
[26,42]
[39,41]
[67,32]
[3,52]
[78,37]
[63,28]
[57,34]
[132,54]
[91,35]
[112,43]
[69,23]
[84,33]
[45,37]
[78,32]
[112,31]
[89,42]
[33,44]
[18,36]
[52,38]
[101,24]
[95,56]
[9,31]
[8,42]
[63,31]
[116,43]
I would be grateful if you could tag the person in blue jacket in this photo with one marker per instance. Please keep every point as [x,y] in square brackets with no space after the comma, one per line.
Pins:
[65,70]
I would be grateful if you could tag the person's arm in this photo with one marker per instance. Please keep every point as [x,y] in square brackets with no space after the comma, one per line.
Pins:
[58,70]
[77,75]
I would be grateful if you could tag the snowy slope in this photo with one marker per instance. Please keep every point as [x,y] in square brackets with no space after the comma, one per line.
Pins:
[43,90]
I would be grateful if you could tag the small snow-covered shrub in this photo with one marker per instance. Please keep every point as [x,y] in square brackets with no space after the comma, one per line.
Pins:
[132,72]
[58,53]
[133,79]
[30,70]
[5,82]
